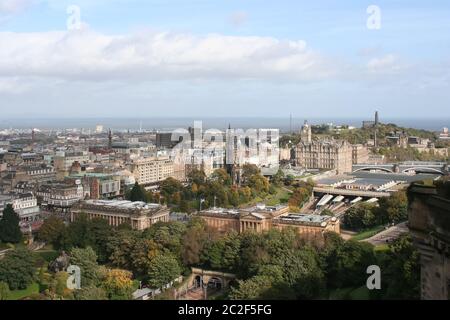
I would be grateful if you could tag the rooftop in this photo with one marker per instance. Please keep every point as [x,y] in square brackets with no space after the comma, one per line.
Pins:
[377,179]
[123,204]
[312,219]
[264,208]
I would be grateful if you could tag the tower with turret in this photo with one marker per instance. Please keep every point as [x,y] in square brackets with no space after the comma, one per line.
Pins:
[306,133]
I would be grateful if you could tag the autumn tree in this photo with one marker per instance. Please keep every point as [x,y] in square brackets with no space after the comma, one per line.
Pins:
[222,177]
[171,190]
[248,171]
[194,241]
[118,284]
[196,176]
[300,196]
[142,253]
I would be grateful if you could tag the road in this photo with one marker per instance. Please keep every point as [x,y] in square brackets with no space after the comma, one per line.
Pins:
[388,235]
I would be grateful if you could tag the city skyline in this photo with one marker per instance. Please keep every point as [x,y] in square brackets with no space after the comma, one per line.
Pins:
[156,59]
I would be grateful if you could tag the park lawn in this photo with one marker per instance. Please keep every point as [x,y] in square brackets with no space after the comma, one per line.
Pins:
[20,294]
[366,234]
[280,197]
[382,248]
[48,255]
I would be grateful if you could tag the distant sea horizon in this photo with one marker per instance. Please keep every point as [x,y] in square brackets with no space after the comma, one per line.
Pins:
[221,123]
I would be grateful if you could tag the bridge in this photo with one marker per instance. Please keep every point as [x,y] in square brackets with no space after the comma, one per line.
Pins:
[352,193]
[216,279]
[405,167]
[203,283]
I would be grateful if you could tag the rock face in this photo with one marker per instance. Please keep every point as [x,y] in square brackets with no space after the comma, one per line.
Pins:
[60,264]
[429,223]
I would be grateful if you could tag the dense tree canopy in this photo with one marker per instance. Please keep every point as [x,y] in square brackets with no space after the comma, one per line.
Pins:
[17,269]
[86,259]
[216,190]
[137,194]
[361,216]
[394,208]
[401,265]
[52,231]
[91,293]
[9,226]
[163,269]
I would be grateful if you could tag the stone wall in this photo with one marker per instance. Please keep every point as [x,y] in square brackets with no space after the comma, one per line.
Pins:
[429,223]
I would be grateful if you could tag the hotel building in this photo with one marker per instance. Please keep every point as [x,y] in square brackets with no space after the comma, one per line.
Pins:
[323,154]
[152,170]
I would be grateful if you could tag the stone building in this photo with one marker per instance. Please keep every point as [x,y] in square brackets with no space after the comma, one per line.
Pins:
[138,215]
[360,154]
[59,196]
[24,204]
[429,223]
[323,154]
[63,161]
[311,227]
[152,170]
[261,218]
[306,133]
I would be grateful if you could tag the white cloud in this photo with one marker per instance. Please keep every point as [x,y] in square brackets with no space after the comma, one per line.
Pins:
[386,64]
[13,6]
[86,55]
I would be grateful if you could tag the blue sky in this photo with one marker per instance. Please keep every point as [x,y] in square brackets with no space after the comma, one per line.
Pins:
[224,58]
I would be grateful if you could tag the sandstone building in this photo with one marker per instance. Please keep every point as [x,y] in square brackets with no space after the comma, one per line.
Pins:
[325,154]
[138,215]
[152,170]
[261,218]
